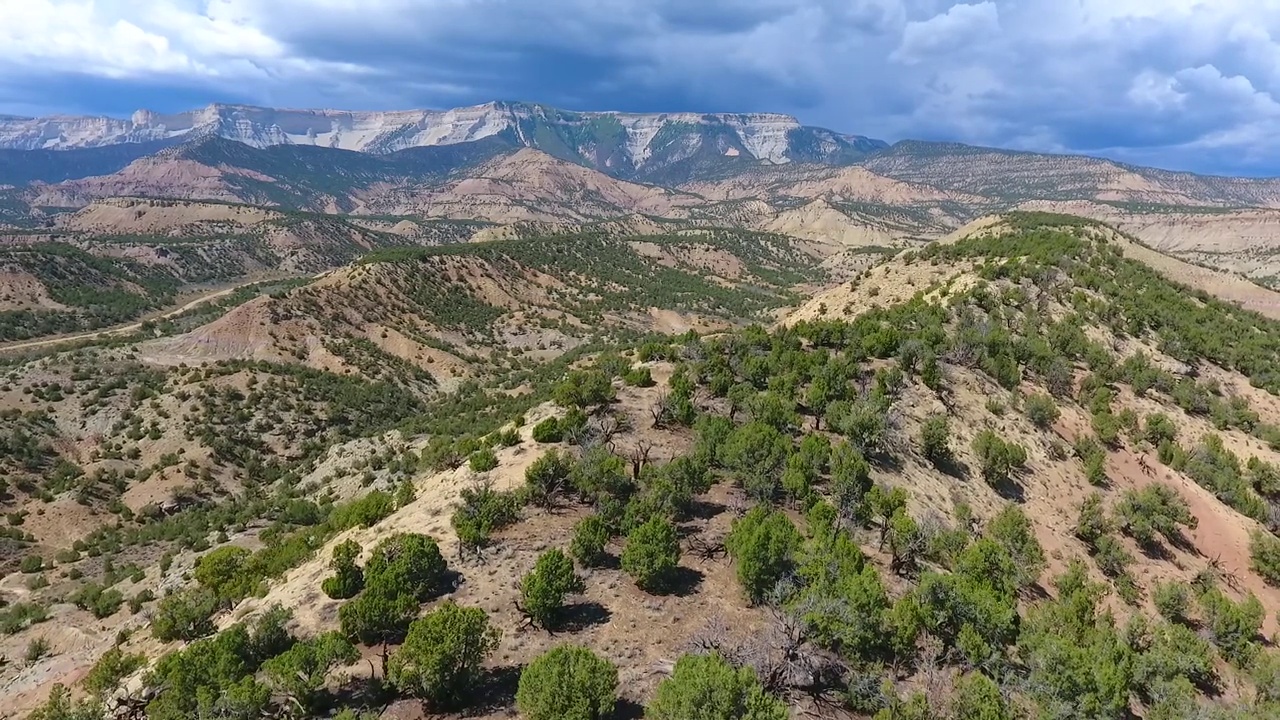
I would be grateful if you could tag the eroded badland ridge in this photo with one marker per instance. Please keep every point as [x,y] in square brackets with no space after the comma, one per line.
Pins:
[764,421]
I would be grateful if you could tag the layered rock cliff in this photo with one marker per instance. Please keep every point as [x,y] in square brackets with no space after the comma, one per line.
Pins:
[624,143]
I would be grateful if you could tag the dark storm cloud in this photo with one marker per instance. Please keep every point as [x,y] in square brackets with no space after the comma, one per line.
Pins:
[82,94]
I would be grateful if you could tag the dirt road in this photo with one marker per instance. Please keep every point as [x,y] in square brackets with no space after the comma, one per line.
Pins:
[123,329]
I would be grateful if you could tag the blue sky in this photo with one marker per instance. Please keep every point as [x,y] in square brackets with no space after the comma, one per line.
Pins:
[1184,84]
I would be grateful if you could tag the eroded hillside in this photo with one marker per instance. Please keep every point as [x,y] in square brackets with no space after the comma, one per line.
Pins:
[123,259]
[1244,241]
[1022,176]
[263,208]
[476,310]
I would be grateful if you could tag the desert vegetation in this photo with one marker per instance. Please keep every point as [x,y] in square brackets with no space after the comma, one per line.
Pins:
[991,499]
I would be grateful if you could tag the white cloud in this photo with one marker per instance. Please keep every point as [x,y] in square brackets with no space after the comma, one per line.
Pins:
[945,34]
[179,39]
[1155,90]
[77,35]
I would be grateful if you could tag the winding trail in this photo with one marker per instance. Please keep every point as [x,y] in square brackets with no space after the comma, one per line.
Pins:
[200,299]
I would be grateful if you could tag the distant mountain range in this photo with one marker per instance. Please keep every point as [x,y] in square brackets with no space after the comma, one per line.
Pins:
[653,147]
[506,162]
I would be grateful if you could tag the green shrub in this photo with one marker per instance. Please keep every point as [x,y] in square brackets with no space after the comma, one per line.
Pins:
[105,675]
[1112,558]
[590,536]
[1264,555]
[1155,509]
[865,423]
[998,459]
[1172,600]
[584,389]
[667,490]
[652,554]
[405,493]
[1013,531]
[756,453]
[935,439]
[185,615]
[797,482]
[139,599]
[482,460]
[1233,626]
[543,590]
[365,512]
[980,595]
[1217,469]
[845,598]
[225,571]
[1041,410]
[573,422]
[37,649]
[977,697]
[1174,651]
[547,476]
[219,667]
[482,512]
[301,671]
[406,563]
[850,480]
[815,451]
[548,431]
[1265,672]
[100,601]
[1264,477]
[67,556]
[1132,424]
[1088,448]
[1107,427]
[378,615]
[707,687]
[1159,429]
[639,377]
[1127,588]
[21,615]
[1095,468]
[442,656]
[1093,523]
[600,475]
[762,543]
[713,433]
[568,682]
[347,579]
[31,564]
[61,706]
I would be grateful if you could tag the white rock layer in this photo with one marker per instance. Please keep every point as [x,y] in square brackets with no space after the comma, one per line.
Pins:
[764,136]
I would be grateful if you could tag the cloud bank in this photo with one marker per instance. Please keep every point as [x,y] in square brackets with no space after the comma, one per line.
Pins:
[1188,84]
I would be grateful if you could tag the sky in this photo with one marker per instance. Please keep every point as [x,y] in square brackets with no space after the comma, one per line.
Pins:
[1180,84]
